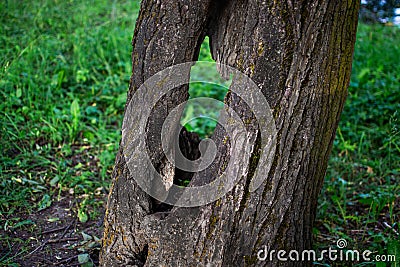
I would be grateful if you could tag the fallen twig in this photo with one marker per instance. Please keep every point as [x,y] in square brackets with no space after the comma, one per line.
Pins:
[65,260]
[390,227]
[39,247]
[53,230]
[67,228]
[59,240]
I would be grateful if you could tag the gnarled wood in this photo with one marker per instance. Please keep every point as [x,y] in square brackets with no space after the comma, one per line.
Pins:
[299,53]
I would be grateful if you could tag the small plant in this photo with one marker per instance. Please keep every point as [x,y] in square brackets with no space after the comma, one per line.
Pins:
[75,114]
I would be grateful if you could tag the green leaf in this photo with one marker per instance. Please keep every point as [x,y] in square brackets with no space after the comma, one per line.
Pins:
[55,180]
[86,237]
[75,110]
[83,258]
[82,216]
[76,113]
[81,75]
[61,76]
[22,223]
[90,110]
[44,203]
[394,249]
[18,93]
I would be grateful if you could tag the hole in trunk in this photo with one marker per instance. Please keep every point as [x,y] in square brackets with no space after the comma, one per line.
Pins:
[207,91]
[208,85]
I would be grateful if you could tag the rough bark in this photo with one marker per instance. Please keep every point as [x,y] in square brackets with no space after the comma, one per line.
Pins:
[299,53]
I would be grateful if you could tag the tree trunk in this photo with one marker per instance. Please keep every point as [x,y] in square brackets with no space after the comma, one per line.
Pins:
[299,54]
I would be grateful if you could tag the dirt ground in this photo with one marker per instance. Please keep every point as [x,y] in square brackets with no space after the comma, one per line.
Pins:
[55,237]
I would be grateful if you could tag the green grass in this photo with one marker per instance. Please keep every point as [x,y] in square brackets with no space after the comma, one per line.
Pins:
[65,69]
[64,75]
[360,198]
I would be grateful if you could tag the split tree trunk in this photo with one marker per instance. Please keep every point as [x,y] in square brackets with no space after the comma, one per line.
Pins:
[299,53]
